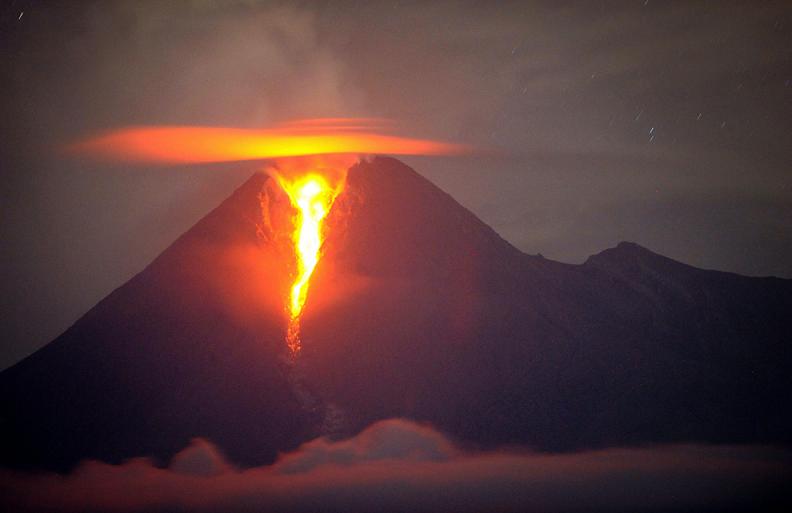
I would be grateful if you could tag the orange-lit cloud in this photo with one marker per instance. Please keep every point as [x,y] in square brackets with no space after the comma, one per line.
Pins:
[196,144]
[397,465]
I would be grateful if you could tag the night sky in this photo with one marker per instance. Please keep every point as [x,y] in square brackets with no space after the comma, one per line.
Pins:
[664,123]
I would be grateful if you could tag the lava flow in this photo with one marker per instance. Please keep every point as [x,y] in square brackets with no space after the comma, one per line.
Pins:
[312,195]
[311,189]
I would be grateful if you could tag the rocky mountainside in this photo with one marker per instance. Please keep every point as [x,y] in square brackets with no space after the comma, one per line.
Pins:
[418,310]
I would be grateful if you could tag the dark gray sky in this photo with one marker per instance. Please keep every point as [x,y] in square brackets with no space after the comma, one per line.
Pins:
[665,123]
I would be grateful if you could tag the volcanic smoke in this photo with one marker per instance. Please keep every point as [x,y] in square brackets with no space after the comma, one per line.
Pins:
[311,190]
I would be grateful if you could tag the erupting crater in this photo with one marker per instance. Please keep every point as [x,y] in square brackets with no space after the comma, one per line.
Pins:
[311,158]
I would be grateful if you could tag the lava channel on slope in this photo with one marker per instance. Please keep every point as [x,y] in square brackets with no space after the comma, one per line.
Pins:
[312,183]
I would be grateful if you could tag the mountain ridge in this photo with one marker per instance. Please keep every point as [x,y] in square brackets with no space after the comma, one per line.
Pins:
[418,309]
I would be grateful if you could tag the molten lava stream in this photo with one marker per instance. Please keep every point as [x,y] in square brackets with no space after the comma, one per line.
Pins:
[312,196]
[311,159]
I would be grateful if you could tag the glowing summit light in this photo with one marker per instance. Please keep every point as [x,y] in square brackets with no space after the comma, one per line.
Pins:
[195,144]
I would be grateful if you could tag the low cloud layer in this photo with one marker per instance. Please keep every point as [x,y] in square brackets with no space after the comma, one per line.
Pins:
[397,465]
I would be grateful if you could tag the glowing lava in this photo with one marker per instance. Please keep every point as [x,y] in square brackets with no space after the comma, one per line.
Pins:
[310,169]
[312,196]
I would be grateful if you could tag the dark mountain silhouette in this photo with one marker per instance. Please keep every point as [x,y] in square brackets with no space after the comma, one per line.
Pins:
[419,310]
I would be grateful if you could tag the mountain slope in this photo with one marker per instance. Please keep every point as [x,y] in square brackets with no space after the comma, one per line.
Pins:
[418,309]
[497,346]
[189,347]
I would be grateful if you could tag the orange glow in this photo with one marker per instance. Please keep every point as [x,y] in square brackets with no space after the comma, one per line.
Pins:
[327,148]
[312,194]
[195,144]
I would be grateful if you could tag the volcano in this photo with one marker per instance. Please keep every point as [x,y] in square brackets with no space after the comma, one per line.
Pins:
[417,310]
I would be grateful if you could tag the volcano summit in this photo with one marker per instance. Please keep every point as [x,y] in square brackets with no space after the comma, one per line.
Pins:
[418,310]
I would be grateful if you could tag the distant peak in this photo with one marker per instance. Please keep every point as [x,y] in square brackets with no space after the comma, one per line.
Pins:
[623,251]
[626,245]
[631,255]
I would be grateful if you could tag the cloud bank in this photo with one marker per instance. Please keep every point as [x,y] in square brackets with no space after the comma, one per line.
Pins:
[398,465]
